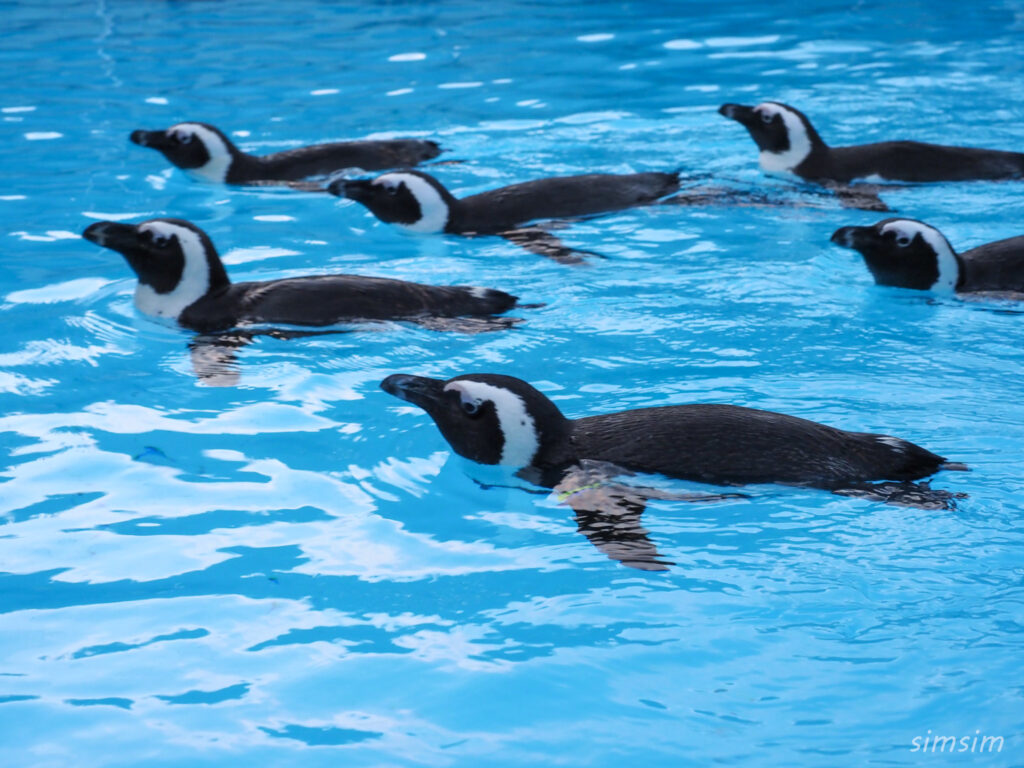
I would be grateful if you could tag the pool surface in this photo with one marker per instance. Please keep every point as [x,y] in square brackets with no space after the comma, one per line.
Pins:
[281,565]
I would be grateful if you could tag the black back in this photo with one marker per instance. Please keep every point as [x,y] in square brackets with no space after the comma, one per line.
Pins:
[558,197]
[997,266]
[914,161]
[324,159]
[727,444]
[328,299]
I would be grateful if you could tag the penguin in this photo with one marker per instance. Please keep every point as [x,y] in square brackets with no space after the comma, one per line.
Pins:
[501,420]
[911,254]
[789,143]
[206,153]
[181,278]
[419,203]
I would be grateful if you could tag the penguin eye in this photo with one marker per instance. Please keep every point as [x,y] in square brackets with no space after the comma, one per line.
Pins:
[471,408]
[903,240]
[182,137]
[766,117]
[157,239]
[393,189]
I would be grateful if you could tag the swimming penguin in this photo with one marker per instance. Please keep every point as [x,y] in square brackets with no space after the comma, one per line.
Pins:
[911,254]
[496,419]
[419,203]
[205,152]
[789,143]
[181,277]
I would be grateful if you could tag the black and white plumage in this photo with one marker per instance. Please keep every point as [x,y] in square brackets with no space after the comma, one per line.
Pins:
[181,278]
[496,419]
[418,202]
[789,143]
[911,254]
[205,152]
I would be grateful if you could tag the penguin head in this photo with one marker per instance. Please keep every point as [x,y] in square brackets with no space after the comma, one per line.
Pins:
[174,260]
[412,199]
[783,134]
[198,148]
[485,417]
[904,253]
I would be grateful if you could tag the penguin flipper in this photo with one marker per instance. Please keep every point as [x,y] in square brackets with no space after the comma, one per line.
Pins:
[863,197]
[310,185]
[541,242]
[608,513]
[214,358]
[477,324]
[903,493]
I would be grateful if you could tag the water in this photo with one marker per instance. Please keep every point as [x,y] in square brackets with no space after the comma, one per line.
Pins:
[294,570]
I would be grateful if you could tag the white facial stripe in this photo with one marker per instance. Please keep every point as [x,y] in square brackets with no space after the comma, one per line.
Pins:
[194,281]
[216,168]
[433,209]
[517,426]
[799,143]
[949,268]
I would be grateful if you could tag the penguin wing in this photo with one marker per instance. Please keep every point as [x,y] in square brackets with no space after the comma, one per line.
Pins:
[862,197]
[541,242]
[997,266]
[609,513]
[214,355]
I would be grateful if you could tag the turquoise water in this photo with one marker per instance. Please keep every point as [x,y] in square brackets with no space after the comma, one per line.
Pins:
[294,570]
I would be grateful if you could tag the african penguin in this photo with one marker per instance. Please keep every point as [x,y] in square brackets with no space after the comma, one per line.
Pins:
[420,203]
[181,277]
[911,254]
[789,143]
[496,419]
[205,152]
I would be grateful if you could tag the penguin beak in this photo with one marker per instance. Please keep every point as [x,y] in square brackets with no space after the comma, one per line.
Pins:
[741,114]
[418,390]
[154,139]
[857,238]
[110,234]
[353,189]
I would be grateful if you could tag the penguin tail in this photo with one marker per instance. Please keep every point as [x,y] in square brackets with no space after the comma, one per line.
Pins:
[954,466]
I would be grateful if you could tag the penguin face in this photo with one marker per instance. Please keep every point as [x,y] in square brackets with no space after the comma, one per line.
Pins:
[172,259]
[195,147]
[413,200]
[904,253]
[489,418]
[781,132]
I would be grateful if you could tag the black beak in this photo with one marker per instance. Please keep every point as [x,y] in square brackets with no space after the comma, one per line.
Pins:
[854,237]
[417,390]
[155,139]
[738,112]
[110,234]
[353,189]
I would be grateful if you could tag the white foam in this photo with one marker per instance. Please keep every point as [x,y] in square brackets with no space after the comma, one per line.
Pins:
[517,426]
[433,208]
[949,267]
[799,141]
[195,277]
[216,168]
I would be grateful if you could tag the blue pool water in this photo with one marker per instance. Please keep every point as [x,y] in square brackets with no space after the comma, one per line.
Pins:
[294,570]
